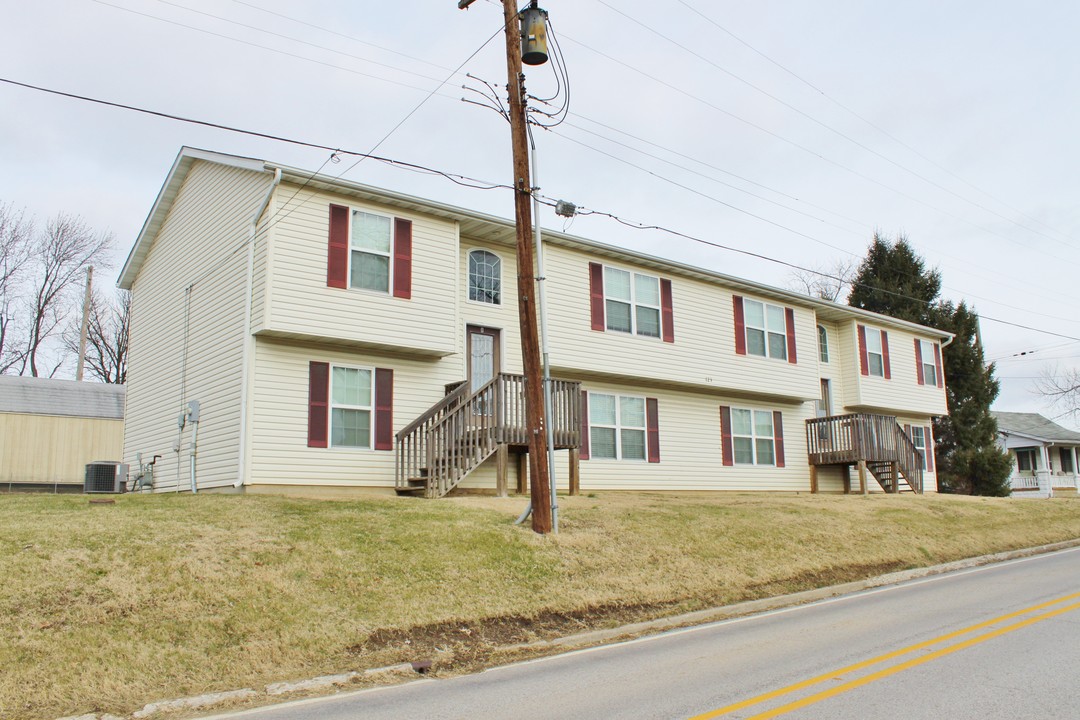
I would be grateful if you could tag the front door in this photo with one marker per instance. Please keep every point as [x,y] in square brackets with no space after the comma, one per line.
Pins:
[824,405]
[482,350]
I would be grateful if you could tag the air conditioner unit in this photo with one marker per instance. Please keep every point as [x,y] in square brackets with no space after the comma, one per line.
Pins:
[106,477]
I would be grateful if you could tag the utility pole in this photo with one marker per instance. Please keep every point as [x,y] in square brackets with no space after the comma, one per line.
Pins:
[85,322]
[539,489]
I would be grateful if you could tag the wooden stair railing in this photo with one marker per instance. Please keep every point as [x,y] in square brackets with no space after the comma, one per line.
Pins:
[441,447]
[877,440]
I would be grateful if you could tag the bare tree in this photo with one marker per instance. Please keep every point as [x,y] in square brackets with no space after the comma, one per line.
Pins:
[826,282]
[58,257]
[106,337]
[1062,389]
[16,233]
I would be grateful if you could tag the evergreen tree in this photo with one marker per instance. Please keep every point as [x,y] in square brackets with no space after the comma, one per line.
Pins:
[893,280]
[969,460]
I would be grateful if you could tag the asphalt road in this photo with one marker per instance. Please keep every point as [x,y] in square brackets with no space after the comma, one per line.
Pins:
[999,641]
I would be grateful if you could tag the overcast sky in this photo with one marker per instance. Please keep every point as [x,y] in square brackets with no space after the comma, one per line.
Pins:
[790,129]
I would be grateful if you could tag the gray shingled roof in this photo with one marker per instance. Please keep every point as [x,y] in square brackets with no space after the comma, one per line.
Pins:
[45,396]
[1036,426]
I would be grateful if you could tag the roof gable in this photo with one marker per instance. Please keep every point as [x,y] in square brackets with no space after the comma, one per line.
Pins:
[1035,426]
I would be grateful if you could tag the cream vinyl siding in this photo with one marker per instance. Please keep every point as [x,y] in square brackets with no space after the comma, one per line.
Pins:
[703,353]
[504,317]
[209,220]
[690,448]
[929,478]
[54,448]
[838,370]
[280,455]
[902,392]
[301,304]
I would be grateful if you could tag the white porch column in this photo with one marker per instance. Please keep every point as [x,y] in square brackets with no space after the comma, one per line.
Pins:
[1044,475]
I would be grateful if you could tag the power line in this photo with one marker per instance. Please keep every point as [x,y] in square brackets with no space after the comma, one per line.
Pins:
[276,50]
[798,145]
[847,109]
[790,229]
[480,184]
[676,233]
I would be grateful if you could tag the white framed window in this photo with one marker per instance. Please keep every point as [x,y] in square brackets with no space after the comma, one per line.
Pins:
[617,427]
[351,401]
[875,356]
[1026,460]
[823,343]
[766,329]
[918,439]
[1067,465]
[632,302]
[752,436]
[929,363]
[485,277]
[370,247]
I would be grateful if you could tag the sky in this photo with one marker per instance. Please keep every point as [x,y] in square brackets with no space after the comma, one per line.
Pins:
[792,130]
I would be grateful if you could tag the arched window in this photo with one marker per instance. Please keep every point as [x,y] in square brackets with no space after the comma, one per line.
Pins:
[823,343]
[485,277]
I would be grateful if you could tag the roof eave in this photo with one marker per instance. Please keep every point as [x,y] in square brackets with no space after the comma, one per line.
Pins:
[163,203]
[592,246]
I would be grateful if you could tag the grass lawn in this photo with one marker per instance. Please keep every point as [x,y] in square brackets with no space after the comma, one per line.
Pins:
[107,607]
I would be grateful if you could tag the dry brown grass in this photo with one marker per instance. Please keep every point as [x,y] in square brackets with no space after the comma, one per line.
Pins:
[107,607]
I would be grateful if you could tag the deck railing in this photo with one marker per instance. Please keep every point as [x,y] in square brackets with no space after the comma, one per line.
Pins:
[848,439]
[463,429]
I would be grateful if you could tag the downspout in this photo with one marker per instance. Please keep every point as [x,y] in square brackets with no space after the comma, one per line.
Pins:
[245,359]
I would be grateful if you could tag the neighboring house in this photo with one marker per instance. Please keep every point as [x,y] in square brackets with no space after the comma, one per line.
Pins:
[50,429]
[337,335]
[1044,454]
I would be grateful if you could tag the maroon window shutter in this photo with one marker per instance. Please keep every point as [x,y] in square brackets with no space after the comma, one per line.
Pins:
[789,316]
[402,258]
[929,449]
[740,325]
[907,429]
[667,315]
[918,361]
[652,423]
[864,362]
[727,447]
[885,353]
[778,436]
[937,364]
[583,452]
[318,404]
[384,409]
[596,295]
[337,256]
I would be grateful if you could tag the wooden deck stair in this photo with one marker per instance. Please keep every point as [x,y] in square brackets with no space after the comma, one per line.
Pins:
[875,442]
[439,449]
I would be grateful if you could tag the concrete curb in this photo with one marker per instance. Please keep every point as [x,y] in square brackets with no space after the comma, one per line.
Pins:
[597,637]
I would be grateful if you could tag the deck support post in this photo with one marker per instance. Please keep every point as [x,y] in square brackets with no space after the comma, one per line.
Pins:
[502,467]
[575,471]
[813,479]
[846,472]
[862,478]
[523,473]
[895,477]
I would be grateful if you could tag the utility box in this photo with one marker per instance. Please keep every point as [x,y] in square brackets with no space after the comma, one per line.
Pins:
[106,477]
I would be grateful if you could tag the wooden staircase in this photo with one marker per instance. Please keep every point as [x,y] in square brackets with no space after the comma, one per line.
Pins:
[455,436]
[874,441]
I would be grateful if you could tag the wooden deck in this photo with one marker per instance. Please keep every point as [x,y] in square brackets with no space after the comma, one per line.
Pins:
[872,442]
[437,450]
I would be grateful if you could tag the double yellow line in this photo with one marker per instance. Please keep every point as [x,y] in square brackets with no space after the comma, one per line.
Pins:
[893,669]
